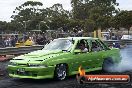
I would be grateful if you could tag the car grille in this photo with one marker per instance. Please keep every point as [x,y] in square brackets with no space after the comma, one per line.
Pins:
[25,73]
[22,64]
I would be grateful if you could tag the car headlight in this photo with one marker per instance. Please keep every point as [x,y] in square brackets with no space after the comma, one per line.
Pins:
[12,63]
[37,65]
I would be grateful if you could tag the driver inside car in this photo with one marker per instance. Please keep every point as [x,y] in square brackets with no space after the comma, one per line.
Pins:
[83,47]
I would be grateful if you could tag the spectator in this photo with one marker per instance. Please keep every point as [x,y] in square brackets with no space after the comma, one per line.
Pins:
[29,42]
[13,42]
[40,40]
[116,45]
[6,42]
[2,44]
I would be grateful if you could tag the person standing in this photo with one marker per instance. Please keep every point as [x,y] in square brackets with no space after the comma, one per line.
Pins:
[13,42]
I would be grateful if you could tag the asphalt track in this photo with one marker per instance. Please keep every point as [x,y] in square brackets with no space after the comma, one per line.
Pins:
[70,82]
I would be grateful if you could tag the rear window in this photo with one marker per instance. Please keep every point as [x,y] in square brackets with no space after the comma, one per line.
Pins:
[105,46]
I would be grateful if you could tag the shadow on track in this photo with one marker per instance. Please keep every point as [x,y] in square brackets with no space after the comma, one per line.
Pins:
[45,81]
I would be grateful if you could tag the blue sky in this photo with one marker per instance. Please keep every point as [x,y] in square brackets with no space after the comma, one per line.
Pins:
[8,6]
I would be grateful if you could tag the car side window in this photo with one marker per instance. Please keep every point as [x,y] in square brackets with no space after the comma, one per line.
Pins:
[99,45]
[95,46]
[83,46]
[104,46]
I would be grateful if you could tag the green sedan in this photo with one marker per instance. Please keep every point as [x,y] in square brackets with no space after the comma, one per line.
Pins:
[62,57]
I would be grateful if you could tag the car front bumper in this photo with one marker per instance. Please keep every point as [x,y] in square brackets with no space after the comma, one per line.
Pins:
[31,72]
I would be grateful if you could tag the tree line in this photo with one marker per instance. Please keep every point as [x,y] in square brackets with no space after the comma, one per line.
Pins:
[88,15]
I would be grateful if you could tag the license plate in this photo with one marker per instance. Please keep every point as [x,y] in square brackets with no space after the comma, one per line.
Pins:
[21,70]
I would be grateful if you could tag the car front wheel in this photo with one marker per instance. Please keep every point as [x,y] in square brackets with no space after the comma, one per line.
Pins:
[60,72]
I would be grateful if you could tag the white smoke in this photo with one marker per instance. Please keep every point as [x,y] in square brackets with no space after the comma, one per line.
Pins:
[126,62]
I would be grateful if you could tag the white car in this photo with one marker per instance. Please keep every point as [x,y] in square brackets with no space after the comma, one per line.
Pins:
[126,37]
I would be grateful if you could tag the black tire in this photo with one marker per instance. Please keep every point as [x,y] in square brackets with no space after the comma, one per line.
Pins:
[61,72]
[82,80]
[108,65]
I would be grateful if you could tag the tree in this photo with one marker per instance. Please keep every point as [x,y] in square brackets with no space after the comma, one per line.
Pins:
[123,19]
[30,16]
[29,11]
[55,16]
[2,25]
[99,12]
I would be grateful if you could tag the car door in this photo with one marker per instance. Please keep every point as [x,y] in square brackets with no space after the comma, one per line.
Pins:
[97,50]
[84,59]
[104,52]
[91,59]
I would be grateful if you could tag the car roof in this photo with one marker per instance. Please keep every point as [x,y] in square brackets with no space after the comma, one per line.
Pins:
[78,38]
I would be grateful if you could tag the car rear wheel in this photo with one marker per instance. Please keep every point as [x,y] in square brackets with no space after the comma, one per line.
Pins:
[61,72]
[108,65]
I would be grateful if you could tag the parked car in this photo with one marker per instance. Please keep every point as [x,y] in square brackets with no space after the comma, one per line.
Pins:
[62,57]
[126,37]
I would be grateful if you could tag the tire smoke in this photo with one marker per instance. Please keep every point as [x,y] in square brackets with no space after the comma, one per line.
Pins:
[126,62]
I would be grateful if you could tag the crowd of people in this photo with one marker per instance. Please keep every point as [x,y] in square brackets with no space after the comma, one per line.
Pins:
[39,37]
[11,40]
[8,41]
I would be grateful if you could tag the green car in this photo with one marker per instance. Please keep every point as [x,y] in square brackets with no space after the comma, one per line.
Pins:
[62,57]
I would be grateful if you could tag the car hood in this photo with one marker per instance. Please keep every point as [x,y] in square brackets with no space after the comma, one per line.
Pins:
[41,53]
[37,56]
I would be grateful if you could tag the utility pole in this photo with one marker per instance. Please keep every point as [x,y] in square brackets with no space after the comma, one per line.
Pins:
[39,25]
[25,25]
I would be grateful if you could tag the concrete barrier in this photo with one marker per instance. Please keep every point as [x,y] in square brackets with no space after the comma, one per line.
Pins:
[19,50]
[121,42]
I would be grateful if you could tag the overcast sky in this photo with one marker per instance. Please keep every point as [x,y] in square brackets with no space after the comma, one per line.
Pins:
[8,6]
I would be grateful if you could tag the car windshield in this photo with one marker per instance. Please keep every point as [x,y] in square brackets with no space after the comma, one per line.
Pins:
[59,44]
